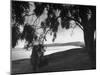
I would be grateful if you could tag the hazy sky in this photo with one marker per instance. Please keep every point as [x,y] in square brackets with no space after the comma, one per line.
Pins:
[63,36]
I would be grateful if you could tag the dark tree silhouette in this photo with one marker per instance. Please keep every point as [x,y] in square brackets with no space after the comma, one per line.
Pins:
[15,35]
[89,25]
[17,9]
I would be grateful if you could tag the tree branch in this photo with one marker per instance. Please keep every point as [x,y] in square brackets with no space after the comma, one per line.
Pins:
[78,23]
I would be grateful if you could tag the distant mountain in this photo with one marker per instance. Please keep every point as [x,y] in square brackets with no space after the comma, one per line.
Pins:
[81,44]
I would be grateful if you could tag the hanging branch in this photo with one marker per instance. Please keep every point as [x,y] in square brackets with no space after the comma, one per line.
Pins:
[78,23]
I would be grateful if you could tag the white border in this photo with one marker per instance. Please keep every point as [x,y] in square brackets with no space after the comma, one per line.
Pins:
[5,37]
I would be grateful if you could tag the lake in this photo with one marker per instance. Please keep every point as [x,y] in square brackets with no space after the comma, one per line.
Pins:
[20,53]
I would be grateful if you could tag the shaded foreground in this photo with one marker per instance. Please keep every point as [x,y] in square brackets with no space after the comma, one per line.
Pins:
[70,60]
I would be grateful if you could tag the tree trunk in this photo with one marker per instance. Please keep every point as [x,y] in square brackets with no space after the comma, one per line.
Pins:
[90,44]
[35,58]
[89,25]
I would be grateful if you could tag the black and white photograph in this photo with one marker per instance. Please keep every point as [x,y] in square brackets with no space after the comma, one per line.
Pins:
[52,37]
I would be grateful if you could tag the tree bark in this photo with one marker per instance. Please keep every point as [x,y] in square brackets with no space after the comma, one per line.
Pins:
[35,58]
[90,42]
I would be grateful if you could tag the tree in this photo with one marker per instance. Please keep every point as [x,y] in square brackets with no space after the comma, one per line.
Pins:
[17,19]
[89,25]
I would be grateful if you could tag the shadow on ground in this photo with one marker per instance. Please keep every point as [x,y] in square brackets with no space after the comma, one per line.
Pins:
[70,60]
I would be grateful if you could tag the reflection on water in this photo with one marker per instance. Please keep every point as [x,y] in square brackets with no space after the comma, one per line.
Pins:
[19,53]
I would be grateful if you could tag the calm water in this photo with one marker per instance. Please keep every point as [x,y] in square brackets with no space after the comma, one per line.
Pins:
[19,53]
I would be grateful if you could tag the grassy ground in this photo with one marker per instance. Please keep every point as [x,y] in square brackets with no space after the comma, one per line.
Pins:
[71,60]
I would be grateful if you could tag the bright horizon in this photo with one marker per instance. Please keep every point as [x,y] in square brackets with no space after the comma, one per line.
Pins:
[63,36]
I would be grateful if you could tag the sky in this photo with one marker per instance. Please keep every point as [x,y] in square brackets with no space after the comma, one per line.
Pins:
[64,36]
